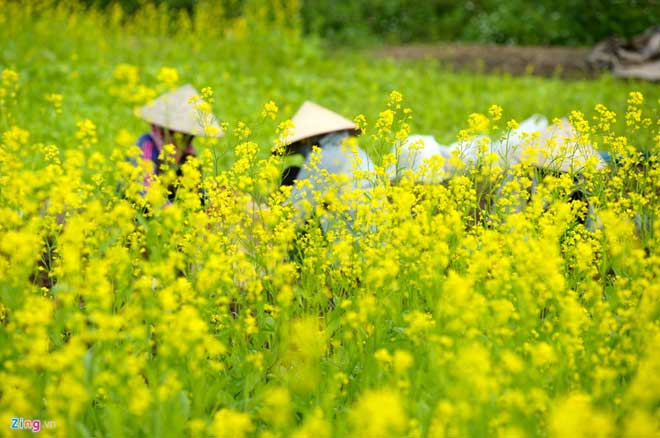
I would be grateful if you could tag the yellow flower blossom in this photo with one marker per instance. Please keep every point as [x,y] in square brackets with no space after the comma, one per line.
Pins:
[168,76]
[270,110]
[230,423]
[378,413]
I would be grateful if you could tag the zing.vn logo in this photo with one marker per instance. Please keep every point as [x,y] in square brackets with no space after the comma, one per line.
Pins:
[33,425]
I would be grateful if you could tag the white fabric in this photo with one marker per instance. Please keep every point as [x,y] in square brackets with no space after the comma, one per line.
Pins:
[419,149]
[338,161]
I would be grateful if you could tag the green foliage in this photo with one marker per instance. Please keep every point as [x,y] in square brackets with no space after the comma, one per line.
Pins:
[511,21]
[248,66]
[561,22]
[349,22]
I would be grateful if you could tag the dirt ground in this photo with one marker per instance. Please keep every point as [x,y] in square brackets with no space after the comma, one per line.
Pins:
[564,62]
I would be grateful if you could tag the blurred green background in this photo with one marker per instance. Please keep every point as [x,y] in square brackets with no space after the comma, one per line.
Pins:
[541,22]
[252,52]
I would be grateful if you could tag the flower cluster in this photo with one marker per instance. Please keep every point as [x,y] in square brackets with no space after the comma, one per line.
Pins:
[505,298]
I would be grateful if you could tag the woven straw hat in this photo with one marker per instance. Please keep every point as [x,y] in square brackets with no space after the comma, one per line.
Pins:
[312,120]
[175,112]
[557,150]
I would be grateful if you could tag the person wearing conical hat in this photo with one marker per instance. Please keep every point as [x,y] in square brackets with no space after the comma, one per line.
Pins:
[559,150]
[548,148]
[337,163]
[315,125]
[555,149]
[174,119]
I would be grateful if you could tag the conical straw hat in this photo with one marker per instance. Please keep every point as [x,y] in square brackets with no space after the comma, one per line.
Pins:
[175,111]
[557,149]
[312,120]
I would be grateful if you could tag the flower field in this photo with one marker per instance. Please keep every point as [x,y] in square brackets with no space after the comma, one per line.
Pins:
[496,303]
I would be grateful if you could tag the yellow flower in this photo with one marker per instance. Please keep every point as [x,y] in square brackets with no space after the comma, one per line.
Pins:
[402,361]
[575,416]
[168,76]
[395,98]
[126,73]
[86,133]
[140,397]
[385,121]
[361,122]
[315,426]
[228,423]
[270,110]
[9,78]
[383,356]
[207,94]
[203,107]
[478,123]
[635,98]
[418,323]
[495,112]
[56,101]
[276,408]
[378,413]
[641,424]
